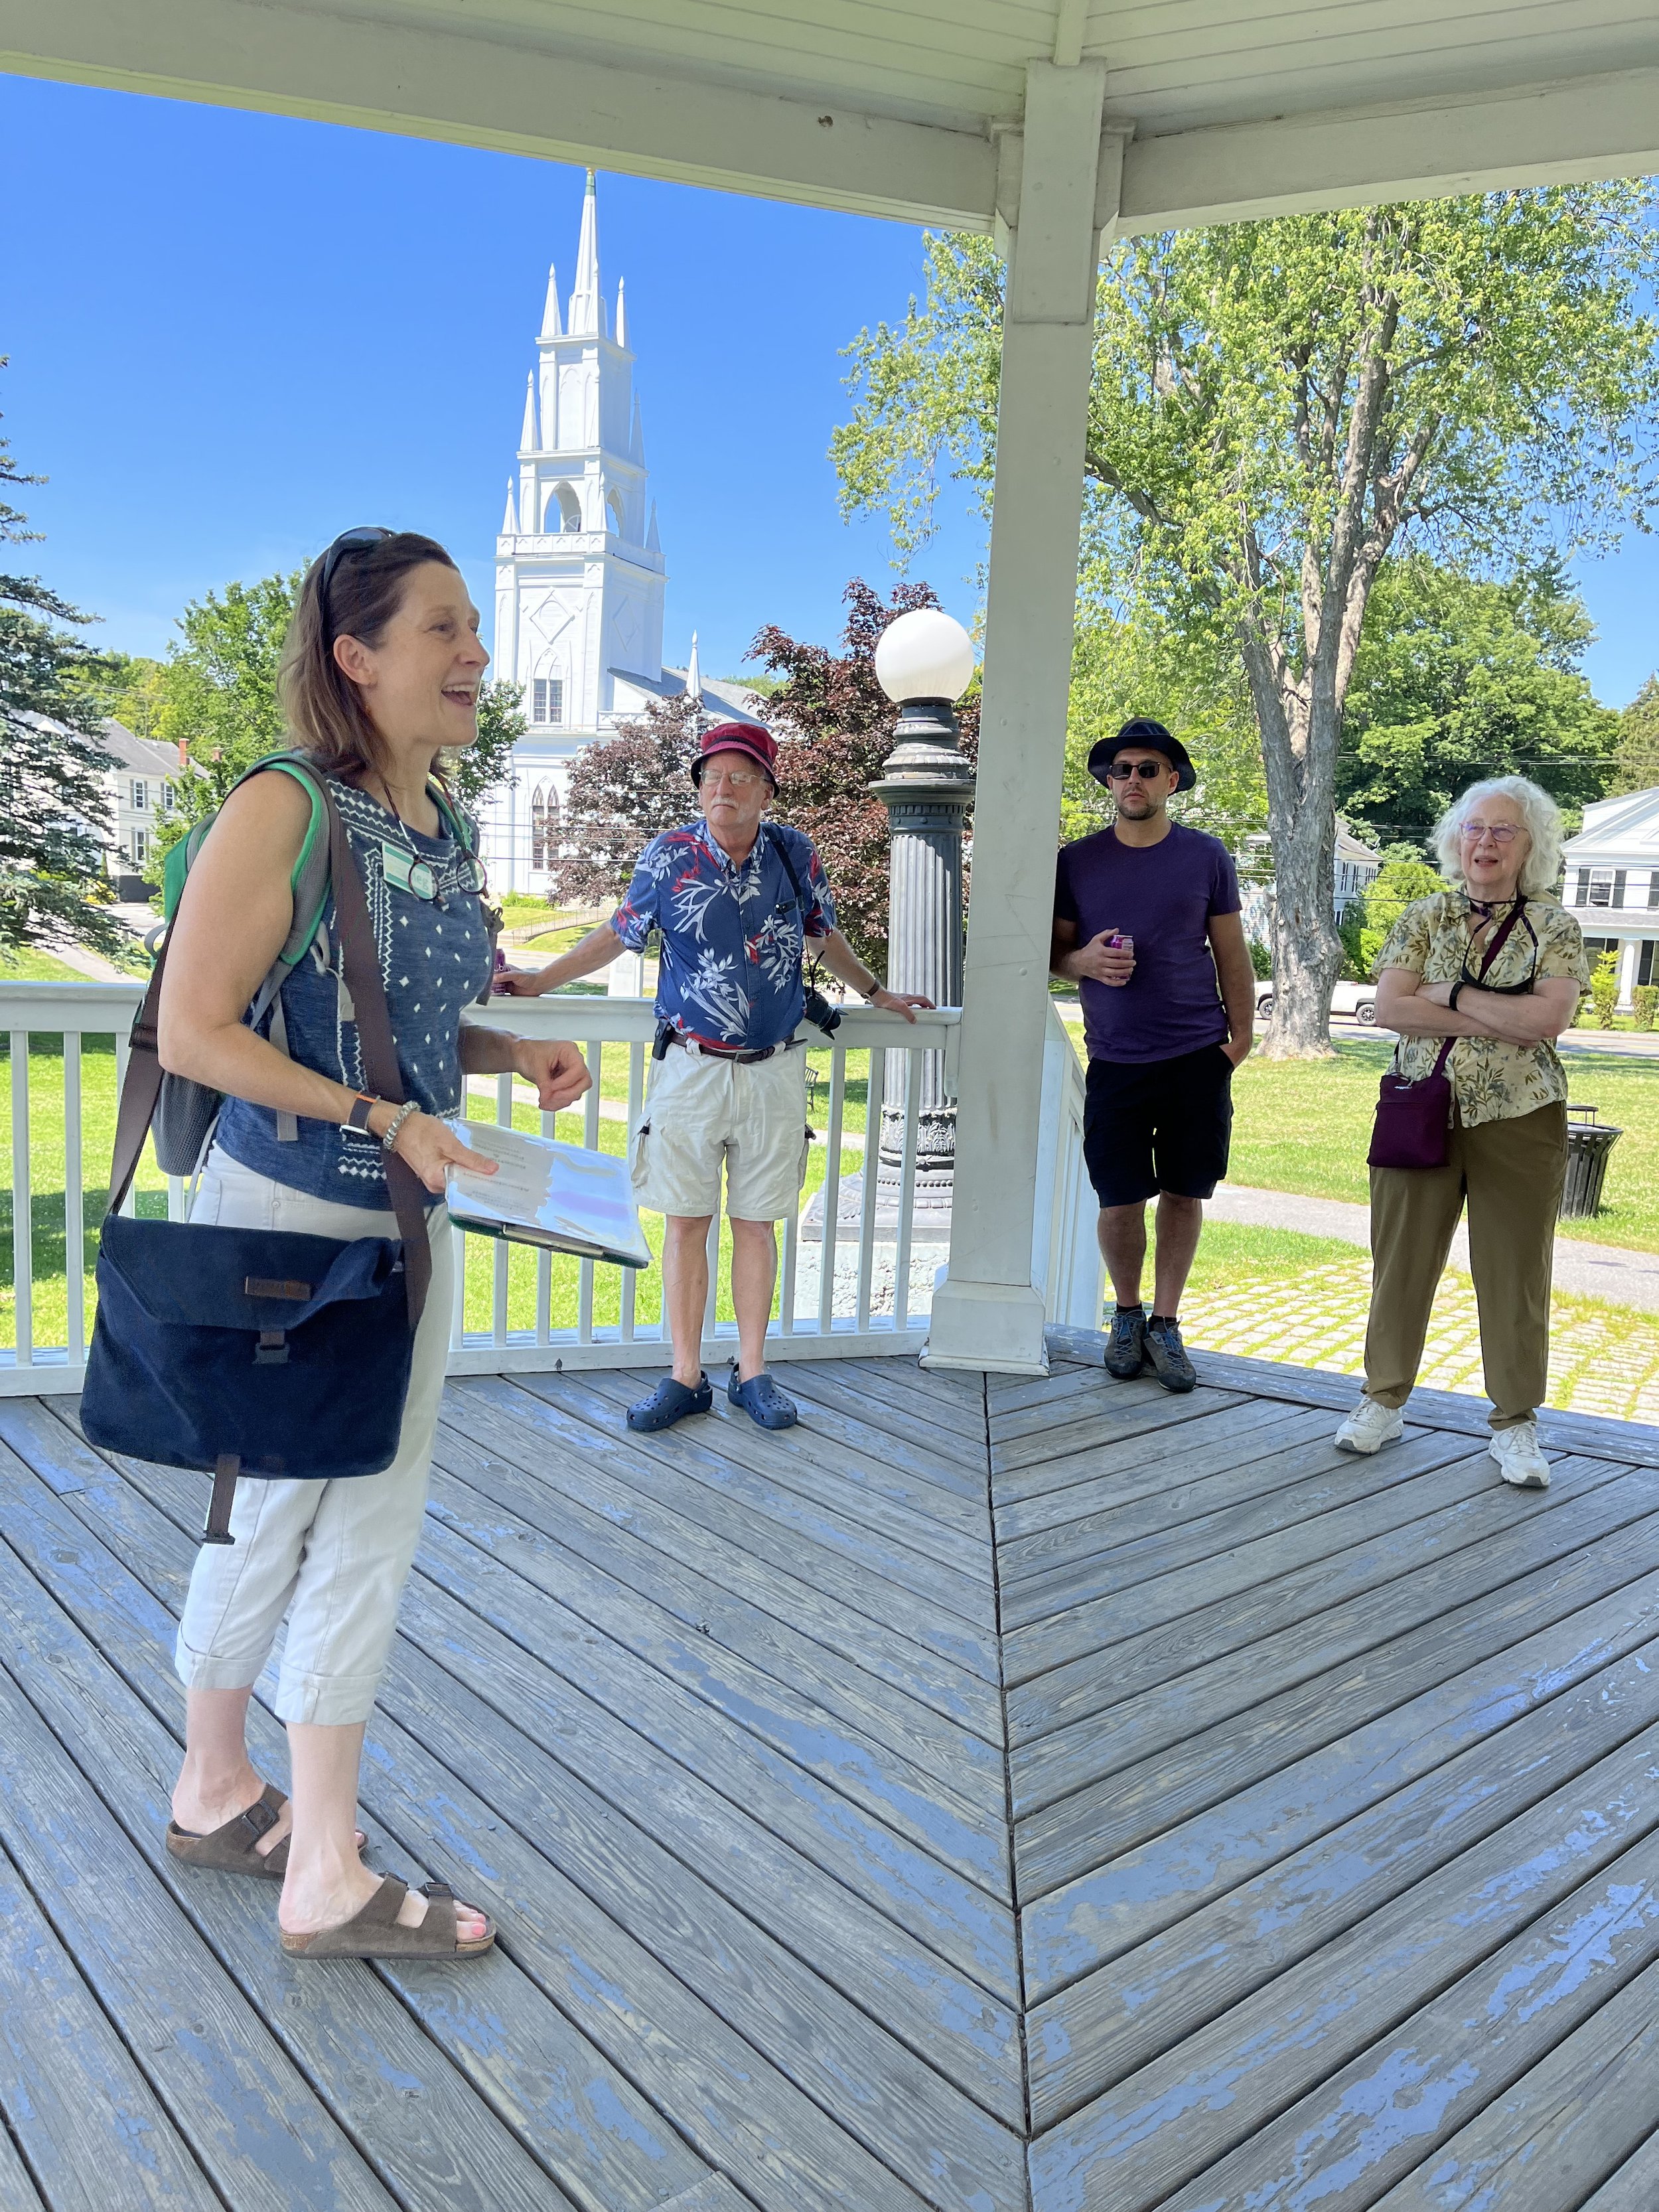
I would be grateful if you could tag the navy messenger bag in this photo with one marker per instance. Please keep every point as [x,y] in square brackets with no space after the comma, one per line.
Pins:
[253,1352]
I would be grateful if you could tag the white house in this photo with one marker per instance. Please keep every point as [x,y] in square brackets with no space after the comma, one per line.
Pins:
[1353,865]
[579,575]
[1612,885]
[140,788]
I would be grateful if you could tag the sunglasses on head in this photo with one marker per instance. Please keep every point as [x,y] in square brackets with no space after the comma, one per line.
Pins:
[1147,770]
[350,541]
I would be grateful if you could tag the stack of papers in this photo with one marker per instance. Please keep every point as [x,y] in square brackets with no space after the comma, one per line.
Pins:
[544,1193]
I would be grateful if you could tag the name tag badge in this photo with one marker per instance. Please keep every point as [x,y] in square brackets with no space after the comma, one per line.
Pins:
[406,873]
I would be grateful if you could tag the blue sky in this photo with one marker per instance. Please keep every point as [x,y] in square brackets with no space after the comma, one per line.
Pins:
[231,335]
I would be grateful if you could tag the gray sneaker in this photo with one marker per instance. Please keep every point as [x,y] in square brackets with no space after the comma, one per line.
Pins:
[1126,1355]
[1166,1355]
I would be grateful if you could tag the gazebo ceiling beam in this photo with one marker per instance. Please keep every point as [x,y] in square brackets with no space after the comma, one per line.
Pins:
[429,78]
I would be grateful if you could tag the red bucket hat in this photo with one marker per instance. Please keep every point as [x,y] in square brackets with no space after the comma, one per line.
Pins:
[737,738]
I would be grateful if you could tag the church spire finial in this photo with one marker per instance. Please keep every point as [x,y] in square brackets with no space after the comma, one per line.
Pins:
[550,325]
[622,311]
[509,520]
[585,308]
[527,435]
[694,678]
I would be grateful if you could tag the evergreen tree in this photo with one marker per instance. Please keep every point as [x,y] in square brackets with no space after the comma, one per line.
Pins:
[54,818]
[1635,765]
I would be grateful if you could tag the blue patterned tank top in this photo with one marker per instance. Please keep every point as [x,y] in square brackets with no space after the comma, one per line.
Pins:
[434,958]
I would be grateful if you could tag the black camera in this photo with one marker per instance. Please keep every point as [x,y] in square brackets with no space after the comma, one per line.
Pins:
[819,1011]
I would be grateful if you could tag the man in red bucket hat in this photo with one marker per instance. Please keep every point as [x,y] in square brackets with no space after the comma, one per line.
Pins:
[734,898]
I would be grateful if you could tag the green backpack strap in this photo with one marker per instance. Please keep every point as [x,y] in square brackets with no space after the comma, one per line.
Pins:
[309,881]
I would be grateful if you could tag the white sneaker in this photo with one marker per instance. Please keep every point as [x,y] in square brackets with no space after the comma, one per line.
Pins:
[1370,1425]
[1519,1459]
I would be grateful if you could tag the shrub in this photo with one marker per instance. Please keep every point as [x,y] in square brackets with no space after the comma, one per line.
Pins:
[1604,989]
[1646,997]
[1261,960]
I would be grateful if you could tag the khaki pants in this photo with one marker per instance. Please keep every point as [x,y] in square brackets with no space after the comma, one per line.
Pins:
[1510,1173]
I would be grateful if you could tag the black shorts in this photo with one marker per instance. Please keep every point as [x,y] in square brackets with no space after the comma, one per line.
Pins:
[1159,1124]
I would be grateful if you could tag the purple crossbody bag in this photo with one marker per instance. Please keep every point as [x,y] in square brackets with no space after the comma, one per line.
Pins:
[1413,1118]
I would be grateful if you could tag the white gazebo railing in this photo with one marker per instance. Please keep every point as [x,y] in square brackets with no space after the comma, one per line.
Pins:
[854,1280]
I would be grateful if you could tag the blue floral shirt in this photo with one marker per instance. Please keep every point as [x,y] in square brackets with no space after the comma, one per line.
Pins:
[732,936]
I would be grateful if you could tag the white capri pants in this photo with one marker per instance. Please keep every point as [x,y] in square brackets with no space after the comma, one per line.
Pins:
[334,1556]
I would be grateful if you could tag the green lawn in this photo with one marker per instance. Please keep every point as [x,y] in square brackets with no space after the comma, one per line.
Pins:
[48,1218]
[1305,1126]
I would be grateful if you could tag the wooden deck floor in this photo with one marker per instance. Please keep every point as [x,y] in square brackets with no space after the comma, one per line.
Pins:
[1058,1797]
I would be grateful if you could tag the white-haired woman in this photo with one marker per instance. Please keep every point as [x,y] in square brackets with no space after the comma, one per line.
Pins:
[1500,846]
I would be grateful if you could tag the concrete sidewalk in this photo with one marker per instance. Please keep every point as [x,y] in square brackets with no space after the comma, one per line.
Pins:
[1590,1270]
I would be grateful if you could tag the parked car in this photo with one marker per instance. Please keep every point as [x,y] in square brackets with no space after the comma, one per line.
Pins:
[1358,1000]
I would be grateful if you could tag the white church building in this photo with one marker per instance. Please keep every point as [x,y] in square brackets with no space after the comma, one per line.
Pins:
[580,575]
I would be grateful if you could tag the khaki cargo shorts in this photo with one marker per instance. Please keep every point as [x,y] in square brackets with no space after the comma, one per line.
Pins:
[703,1111]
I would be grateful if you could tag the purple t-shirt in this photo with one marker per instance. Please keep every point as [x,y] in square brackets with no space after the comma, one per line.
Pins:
[1162,896]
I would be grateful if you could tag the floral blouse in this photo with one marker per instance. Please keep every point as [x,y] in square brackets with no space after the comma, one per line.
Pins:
[1490,1080]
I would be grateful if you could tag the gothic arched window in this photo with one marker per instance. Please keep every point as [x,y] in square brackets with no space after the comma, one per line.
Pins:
[613,509]
[539,829]
[564,509]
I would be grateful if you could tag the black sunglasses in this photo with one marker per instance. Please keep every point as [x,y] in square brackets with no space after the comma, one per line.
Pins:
[1147,770]
[350,541]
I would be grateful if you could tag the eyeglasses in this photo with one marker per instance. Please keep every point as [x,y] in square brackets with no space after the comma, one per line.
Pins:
[350,541]
[1147,770]
[731,779]
[1501,833]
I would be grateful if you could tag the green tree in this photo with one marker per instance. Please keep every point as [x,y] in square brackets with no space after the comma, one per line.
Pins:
[1278,408]
[1366,924]
[219,688]
[473,773]
[217,695]
[1636,766]
[1455,679]
[129,688]
[54,816]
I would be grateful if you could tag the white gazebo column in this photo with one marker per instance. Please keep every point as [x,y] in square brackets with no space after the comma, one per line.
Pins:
[1630,951]
[988,1313]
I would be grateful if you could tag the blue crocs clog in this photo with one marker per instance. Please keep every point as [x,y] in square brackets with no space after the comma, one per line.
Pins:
[762,1400]
[669,1402]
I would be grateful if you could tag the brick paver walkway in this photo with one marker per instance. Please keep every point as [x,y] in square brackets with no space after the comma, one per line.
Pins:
[1603,1359]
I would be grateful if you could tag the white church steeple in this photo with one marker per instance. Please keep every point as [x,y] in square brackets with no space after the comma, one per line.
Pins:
[579,567]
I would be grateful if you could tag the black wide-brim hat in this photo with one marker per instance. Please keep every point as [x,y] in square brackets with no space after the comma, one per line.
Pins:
[1132,738]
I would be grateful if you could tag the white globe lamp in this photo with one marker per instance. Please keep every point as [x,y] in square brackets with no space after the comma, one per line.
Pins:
[925,655]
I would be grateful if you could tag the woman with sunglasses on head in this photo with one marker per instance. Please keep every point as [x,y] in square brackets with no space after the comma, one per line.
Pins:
[1495,966]
[381,675]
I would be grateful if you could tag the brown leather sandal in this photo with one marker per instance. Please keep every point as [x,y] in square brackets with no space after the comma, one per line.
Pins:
[234,1849]
[374,1933]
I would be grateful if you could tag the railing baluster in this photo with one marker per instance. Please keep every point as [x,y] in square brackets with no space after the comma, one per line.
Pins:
[590,1143]
[74,1248]
[22,1254]
[907,1190]
[832,1190]
[711,1303]
[130,1203]
[872,1098]
[503,1251]
[635,1109]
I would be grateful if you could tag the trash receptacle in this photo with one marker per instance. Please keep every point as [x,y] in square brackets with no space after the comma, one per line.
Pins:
[1589,1143]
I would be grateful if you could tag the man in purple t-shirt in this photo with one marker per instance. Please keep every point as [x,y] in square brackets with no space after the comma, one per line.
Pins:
[1146,923]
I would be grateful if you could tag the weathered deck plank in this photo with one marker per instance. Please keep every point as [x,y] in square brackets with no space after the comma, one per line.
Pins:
[1461,1552]
[1305,1765]
[69,2092]
[659,1518]
[1445,1664]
